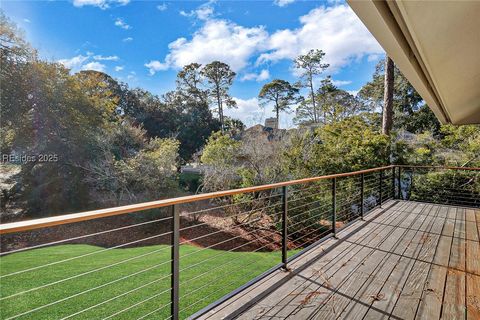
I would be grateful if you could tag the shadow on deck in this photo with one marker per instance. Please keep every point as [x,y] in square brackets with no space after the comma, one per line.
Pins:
[407,260]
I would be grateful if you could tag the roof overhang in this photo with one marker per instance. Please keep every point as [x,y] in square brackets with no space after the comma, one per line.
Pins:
[436,45]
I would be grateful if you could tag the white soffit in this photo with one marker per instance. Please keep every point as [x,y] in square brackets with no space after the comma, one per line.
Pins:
[436,45]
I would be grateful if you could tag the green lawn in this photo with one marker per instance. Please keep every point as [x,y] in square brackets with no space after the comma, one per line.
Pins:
[112,290]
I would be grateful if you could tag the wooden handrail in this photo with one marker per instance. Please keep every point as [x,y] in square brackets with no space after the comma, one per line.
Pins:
[102,213]
[438,167]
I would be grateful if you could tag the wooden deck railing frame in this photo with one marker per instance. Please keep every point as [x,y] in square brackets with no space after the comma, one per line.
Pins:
[108,212]
[175,214]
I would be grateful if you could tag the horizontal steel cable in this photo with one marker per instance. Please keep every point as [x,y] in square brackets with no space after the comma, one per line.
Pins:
[83,255]
[90,290]
[235,215]
[230,205]
[84,236]
[119,296]
[154,311]
[84,273]
[223,254]
[216,244]
[139,303]
[216,268]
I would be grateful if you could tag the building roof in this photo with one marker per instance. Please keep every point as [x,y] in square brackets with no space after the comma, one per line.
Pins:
[436,45]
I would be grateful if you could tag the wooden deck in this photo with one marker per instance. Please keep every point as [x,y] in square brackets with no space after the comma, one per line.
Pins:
[408,260]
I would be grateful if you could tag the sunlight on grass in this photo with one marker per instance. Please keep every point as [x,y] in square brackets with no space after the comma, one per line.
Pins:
[127,283]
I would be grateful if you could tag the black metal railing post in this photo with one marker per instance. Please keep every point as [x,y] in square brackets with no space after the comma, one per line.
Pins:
[362,195]
[334,207]
[381,187]
[399,183]
[411,183]
[284,226]
[393,182]
[175,264]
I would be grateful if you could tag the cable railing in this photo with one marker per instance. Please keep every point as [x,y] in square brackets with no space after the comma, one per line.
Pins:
[179,258]
[443,185]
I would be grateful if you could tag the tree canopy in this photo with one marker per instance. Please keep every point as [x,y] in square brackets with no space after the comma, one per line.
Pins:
[220,78]
[281,93]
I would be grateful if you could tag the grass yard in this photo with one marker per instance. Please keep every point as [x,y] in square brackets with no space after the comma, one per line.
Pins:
[128,283]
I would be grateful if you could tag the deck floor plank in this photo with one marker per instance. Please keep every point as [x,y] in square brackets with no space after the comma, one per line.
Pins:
[404,282]
[454,300]
[338,301]
[473,297]
[410,260]
[372,291]
[301,292]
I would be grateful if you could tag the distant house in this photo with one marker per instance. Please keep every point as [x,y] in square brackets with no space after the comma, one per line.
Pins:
[271,123]
[194,167]
[265,133]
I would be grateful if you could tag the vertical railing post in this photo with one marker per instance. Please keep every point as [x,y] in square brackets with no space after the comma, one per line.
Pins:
[399,183]
[381,187]
[175,264]
[284,226]
[393,182]
[411,183]
[334,207]
[362,195]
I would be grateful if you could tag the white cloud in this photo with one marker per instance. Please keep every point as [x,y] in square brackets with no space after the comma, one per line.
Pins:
[96,66]
[102,4]
[106,58]
[203,12]
[335,30]
[26,20]
[122,24]
[132,76]
[96,3]
[155,65]
[283,3]
[73,63]
[340,83]
[374,57]
[262,76]
[216,40]
[248,111]
[89,61]
[127,39]
[162,7]
[353,92]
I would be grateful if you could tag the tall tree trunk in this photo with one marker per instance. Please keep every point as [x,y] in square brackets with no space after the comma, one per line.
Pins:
[312,92]
[278,118]
[387,122]
[220,112]
[220,109]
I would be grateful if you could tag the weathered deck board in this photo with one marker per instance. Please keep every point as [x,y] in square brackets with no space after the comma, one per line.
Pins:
[389,294]
[410,260]
[297,291]
[307,292]
[473,299]
[431,298]
[332,305]
[454,295]
[454,302]
[372,291]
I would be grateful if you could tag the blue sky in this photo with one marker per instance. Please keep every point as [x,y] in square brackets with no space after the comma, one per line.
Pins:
[144,43]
